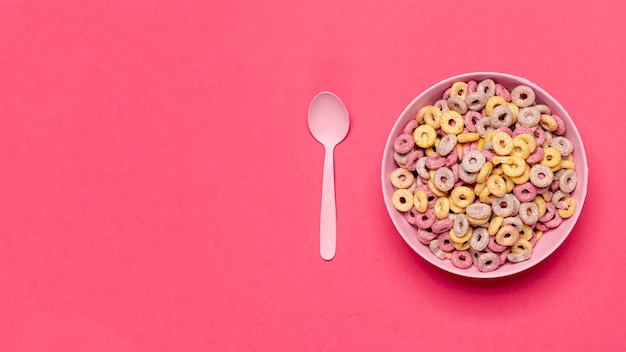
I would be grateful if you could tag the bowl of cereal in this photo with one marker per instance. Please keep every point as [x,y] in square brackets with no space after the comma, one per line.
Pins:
[484,174]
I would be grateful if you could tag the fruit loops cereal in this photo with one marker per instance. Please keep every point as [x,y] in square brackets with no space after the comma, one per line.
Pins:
[483,173]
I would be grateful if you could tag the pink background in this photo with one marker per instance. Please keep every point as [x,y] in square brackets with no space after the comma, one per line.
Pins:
[160,190]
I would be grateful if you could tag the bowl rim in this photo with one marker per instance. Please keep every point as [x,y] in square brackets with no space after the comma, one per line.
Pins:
[581,170]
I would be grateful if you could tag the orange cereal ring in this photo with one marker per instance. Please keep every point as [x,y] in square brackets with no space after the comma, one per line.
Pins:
[402,199]
[424,136]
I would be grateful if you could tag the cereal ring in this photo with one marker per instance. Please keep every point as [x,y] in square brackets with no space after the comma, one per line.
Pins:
[445,242]
[462,246]
[461,259]
[507,235]
[562,144]
[480,239]
[425,219]
[496,185]
[523,96]
[487,86]
[478,211]
[471,86]
[435,161]
[458,89]
[540,136]
[431,186]
[503,206]
[461,225]
[400,159]
[494,224]
[501,91]
[434,247]
[502,143]
[536,156]
[528,139]
[541,175]
[402,178]
[467,177]
[420,168]
[402,199]
[560,130]
[525,192]
[512,166]
[442,207]
[569,210]
[425,236]
[548,123]
[471,119]
[468,137]
[462,196]
[411,215]
[429,115]
[544,109]
[442,105]
[473,161]
[518,257]
[484,172]
[425,136]
[464,240]
[501,116]
[520,149]
[444,179]
[558,197]
[411,159]
[529,116]
[568,181]
[492,103]
[404,143]
[420,200]
[410,126]
[452,122]
[522,245]
[442,225]
[446,144]
[483,126]
[457,104]
[487,262]
[551,157]
[476,101]
[529,213]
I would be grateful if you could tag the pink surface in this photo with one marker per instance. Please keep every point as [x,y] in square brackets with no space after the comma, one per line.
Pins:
[161,190]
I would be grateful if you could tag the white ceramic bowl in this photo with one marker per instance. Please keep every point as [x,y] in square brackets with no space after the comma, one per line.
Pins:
[550,241]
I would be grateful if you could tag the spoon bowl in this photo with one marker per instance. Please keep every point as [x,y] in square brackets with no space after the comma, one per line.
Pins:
[329,123]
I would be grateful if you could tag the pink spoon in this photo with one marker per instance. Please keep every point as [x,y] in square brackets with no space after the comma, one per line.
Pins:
[329,123]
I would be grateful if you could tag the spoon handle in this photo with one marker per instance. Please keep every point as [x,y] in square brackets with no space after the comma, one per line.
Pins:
[328,218]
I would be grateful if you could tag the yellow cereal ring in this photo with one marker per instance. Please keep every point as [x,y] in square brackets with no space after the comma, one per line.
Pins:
[567,164]
[456,209]
[551,157]
[462,246]
[520,148]
[570,210]
[496,185]
[459,89]
[484,173]
[485,196]
[429,113]
[502,143]
[521,246]
[515,109]
[479,187]
[529,139]
[502,160]
[402,199]
[492,102]
[494,225]
[548,123]
[452,122]
[497,170]
[462,196]
[515,168]
[435,190]
[507,235]
[538,234]
[467,137]
[442,208]
[527,232]
[509,183]
[424,136]
[541,203]
[463,238]
[523,178]
[402,178]
[420,200]
[474,221]
[429,151]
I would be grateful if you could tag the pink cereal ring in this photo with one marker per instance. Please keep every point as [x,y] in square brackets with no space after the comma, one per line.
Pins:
[555,222]
[539,135]
[446,93]
[445,242]
[501,91]
[525,192]
[471,86]
[522,130]
[404,143]
[410,127]
[488,155]
[506,130]
[426,219]
[412,158]
[452,158]
[560,130]
[461,259]
[443,225]
[541,227]
[471,119]
[411,216]
[488,261]
[536,156]
[425,236]
[504,255]
[494,246]
[435,161]
[549,214]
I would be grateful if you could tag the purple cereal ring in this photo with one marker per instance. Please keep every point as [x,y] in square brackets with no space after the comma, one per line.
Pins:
[541,227]
[494,246]
[425,236]
[461,259]
[560,130]
[471,86]
[523,96]
[435,161]
[443,179]
[443,225]
[403,143]
[554,186]
[525,192]
[471,119]
[501,91]
[460,225]
[488,262]
[412,158]
[445,242]
[426,219]
[410,127]
[536,156]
